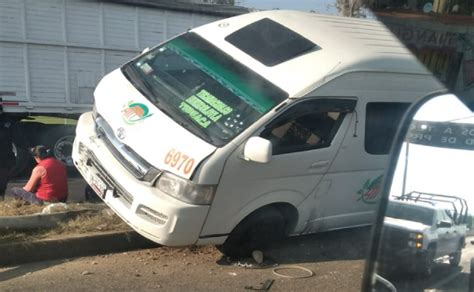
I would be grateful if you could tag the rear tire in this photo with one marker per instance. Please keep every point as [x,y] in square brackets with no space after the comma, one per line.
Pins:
[455,258]
[256,231]
[60,138]
[23,161]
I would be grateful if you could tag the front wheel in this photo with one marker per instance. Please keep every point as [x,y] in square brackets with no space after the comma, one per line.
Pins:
[256,231]
[427,263]
[455,258]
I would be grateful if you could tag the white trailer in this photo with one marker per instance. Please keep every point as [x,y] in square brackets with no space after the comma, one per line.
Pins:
[54,52]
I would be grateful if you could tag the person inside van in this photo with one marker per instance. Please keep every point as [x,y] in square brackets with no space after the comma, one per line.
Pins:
[48,180]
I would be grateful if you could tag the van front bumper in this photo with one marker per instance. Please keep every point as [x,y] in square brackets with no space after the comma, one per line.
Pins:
[152,213]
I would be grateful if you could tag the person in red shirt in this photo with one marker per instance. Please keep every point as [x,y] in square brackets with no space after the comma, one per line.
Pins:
[48,180]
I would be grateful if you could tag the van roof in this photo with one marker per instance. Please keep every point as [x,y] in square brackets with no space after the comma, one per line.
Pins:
[343,45]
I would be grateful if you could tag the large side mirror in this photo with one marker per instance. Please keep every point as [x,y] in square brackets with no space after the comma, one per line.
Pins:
[444,224]
[429,176]
[258,149]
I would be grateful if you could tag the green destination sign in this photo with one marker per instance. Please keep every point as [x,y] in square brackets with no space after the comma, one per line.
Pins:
[204,108]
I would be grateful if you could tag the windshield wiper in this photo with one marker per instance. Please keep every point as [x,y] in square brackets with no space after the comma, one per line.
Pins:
[203,134]
[140,83]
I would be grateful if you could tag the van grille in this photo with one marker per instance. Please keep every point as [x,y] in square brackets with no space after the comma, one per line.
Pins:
[119,191]
[129,159]
[394,238]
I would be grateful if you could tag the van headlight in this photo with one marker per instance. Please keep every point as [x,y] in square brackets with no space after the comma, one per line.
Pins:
[185,190]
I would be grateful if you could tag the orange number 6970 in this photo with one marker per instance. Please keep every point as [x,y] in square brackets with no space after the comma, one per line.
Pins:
[178,160]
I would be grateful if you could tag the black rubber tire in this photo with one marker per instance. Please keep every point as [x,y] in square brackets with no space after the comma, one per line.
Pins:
[59,138]
[426,267]
[23,161]
[256,231]
[455,258]
[91,196]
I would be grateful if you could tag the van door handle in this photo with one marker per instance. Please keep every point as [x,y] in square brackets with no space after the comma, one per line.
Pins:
[319,164]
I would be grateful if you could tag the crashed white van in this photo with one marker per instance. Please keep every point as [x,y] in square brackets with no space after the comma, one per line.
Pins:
[247,129]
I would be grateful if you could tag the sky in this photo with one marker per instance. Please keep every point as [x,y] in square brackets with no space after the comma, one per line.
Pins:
[433,169]
[321,6]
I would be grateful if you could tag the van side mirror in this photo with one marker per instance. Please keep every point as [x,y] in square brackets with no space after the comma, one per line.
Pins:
[258,149]
[444,224]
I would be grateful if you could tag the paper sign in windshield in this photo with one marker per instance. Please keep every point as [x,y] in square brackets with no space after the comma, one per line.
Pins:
[204,108]
[442,134]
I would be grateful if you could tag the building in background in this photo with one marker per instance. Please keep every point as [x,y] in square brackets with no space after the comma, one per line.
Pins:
[440,33]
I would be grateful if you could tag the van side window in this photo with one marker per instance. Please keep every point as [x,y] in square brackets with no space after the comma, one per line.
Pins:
[382,120]
[306,126]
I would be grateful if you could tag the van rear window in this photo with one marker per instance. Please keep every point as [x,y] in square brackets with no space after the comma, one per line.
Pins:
[270,42]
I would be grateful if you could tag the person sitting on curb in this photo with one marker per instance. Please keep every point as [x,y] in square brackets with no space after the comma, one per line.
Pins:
[48,180]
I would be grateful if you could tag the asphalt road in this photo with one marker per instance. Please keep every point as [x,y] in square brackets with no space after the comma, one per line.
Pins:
[335,258]
[444,277]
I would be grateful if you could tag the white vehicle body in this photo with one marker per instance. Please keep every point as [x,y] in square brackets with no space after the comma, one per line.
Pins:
[140,150]
[447,239]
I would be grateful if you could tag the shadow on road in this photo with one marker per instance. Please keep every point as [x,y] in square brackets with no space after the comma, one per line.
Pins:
[22,270]
[347,244]
[444,277]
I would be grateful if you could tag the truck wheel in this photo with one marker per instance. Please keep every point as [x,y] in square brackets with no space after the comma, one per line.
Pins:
[256,231]
[426,267]
[22,161]
[60,138]
[455,258]
[63,149]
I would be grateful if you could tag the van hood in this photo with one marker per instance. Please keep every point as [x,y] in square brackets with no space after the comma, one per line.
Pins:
[150,133]
[405,224]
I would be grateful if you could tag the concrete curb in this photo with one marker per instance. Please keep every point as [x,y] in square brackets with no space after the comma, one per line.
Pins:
[37,221]
[77,246]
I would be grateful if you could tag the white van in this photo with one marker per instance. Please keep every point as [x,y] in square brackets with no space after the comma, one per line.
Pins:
[247,129]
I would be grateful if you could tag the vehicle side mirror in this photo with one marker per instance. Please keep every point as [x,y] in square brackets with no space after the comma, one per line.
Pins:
[444,224]
[145,50]
[415,189]
[258,149]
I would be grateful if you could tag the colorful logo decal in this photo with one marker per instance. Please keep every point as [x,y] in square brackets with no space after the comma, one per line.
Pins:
[370,190]
[134,112]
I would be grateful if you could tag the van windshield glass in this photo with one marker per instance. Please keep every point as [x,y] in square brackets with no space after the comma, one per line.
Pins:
[202,88]
[410,213]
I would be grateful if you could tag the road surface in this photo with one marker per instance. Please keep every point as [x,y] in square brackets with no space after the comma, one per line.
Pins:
[444,277]
[336,258]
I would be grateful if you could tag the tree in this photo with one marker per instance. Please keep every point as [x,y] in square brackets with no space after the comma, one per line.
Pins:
[353,8]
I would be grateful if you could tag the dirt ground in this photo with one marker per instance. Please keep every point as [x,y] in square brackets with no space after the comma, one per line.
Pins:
[335,258]
[96,218]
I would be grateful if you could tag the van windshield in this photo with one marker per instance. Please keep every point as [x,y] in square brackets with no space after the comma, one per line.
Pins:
[410,213]
[202,88]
